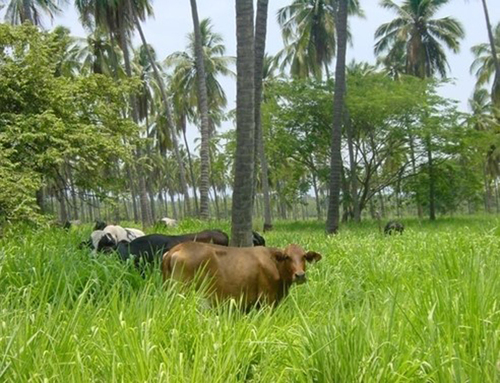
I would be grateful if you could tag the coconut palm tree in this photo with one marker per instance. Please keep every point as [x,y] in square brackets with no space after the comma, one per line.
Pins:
[203,111]
[184,81]
[421,34]
[19,11]
[241,214]
[333,218]
[308,30]
[185,75]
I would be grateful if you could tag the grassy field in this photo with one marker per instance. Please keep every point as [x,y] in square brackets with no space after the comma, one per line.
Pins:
[419,307]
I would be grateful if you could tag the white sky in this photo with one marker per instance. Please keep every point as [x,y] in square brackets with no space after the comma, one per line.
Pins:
[172,22]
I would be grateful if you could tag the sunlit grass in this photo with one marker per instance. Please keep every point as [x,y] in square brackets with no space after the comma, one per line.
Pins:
[423,306]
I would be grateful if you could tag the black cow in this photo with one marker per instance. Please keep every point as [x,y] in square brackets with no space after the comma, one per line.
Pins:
[394,227]
[150,248]
[257,239]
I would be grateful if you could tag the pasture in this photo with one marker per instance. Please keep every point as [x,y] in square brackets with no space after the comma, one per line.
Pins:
[423,306]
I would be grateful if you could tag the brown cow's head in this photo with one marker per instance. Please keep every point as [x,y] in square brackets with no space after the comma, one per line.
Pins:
[292,262]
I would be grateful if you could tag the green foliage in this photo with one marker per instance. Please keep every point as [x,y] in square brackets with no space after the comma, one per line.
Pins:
[418,307]
[48,122]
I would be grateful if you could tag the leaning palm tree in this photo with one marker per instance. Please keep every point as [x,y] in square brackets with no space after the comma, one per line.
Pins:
[241,214]
[19,11]
[421,34]
[308,30]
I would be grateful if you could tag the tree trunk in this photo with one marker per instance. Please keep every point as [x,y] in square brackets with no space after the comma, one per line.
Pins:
[174,209]
[260,154]
[132,193]
[420,212]
[191,171]
[316,196]
[27,14]
[63,212]
[432,182]
[241,222]
[495,90]
[332,223]
[203,109]
[352,165]
[40,199]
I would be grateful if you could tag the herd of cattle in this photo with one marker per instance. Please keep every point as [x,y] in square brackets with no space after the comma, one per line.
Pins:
[252,275]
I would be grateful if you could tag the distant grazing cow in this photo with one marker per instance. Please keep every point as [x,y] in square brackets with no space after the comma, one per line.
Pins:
[150,248]
[169,222]
[258,240]
[254,274]
[394,226]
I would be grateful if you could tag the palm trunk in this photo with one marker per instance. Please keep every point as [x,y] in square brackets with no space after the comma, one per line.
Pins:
[241,225]
[316,196]
[353,174]
[203,109]
[191,171]
[170,123]
[260,46]
[40,199]
[432,182]
[414,168]
[174,208]
[495,91]
[132,193]
[27,14]
[332,223]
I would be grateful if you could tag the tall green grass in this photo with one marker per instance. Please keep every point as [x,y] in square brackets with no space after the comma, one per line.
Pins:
[423,306]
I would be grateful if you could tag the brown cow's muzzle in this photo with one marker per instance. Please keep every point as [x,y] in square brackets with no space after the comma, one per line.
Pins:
[299,277]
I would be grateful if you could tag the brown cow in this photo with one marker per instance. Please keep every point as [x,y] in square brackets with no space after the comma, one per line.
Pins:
[254,274]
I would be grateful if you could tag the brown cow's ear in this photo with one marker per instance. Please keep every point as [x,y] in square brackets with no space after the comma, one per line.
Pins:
[278,254]
[312,256]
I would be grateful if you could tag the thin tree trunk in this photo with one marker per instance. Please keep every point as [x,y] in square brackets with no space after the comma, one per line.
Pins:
[27,14]
[40,199]
[260,47]
[420,212]
[203,109]
[495,90]
[353,173]
[191,171]
[179,204]
[170,123]
[174,208]
[432,182]
[316,196]
[241,217]
[132,193]
[332,223]
[63,213]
